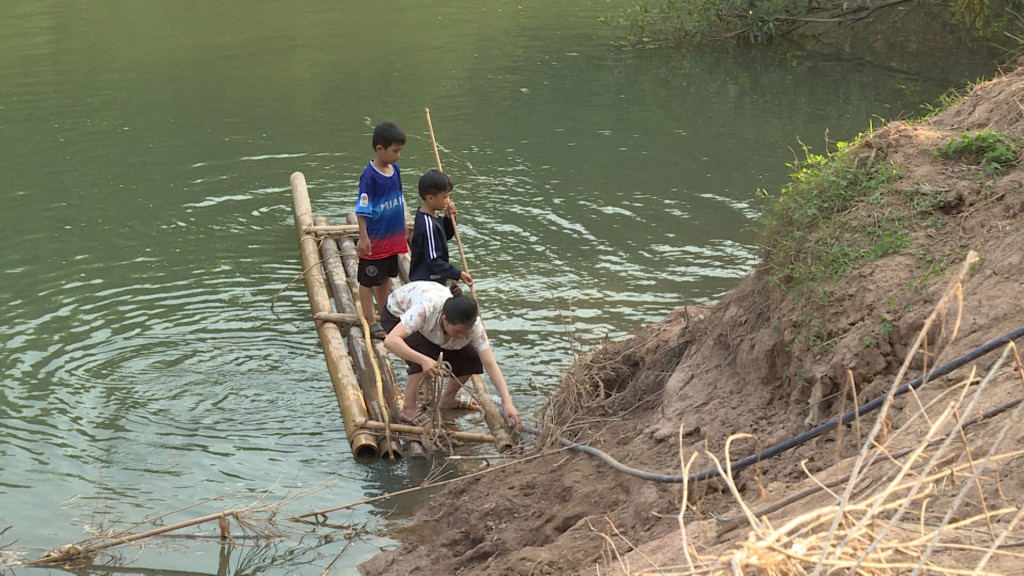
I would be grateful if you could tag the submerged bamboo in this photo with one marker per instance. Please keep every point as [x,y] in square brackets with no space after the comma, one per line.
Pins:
[495,422]
[346,387]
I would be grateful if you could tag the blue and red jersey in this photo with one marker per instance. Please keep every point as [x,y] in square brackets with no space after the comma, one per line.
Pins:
[381,202]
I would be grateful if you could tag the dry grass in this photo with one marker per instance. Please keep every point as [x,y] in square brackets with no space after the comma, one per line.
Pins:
[617,377]
[926,498]
[926,511]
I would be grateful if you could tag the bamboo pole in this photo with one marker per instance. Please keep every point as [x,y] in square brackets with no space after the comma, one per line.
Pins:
[350,260]
[455,227]
[377,405]
[376,355]
[346,320]
[346,388]
[495,422]
[337,230]
[420,430]
[340,230]
[68,554]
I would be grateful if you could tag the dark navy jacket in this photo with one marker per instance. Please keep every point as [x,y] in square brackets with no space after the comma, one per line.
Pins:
[430,236]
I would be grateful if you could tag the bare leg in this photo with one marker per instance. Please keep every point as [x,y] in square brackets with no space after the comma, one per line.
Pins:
[449,397]
[409,400]
[382,292]
[366,302]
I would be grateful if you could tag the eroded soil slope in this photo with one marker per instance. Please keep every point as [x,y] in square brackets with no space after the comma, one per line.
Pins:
[758,363]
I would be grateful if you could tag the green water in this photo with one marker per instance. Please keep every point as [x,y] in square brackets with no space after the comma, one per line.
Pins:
[157,355]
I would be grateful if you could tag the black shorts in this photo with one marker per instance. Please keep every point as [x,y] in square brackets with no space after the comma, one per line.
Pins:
[464,361]
[376,272]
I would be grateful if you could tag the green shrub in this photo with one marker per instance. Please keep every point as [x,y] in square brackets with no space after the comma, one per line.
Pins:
[812,232]
[993,150]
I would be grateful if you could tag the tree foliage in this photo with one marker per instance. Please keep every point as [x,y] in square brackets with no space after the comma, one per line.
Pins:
[653,22]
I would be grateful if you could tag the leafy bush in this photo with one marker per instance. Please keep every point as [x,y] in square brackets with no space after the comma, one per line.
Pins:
[812,232]
[993,150]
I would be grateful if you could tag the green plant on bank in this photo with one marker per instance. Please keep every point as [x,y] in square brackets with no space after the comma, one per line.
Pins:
[884,327]
[664,21]
[654,22]
[932,265]
[948,99]
[648,23]
[811,233]
[813,334]
[992,150]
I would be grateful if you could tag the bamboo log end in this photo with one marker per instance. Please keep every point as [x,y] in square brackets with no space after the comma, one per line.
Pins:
[364,444]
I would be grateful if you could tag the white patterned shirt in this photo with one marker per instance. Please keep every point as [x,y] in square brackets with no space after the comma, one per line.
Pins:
[419,306]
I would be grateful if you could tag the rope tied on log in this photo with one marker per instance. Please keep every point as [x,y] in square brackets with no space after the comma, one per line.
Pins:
[438,438]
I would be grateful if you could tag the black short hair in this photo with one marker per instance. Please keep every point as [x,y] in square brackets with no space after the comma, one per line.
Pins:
[434,181]
[460,310]
[387,133]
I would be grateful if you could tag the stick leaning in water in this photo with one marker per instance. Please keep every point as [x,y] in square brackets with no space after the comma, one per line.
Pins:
[495,422]
[455,227]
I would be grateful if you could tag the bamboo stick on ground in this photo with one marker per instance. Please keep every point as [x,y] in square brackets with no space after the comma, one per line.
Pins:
[72,553]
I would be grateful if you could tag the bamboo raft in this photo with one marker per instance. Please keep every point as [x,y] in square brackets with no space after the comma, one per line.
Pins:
[363,379]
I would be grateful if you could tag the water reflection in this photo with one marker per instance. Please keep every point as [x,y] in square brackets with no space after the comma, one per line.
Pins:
[148,228]
[241,558]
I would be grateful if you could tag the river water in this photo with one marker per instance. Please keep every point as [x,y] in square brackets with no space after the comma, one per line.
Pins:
[157,355]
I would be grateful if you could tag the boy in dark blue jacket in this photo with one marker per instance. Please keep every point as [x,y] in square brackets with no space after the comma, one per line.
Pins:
[431,233]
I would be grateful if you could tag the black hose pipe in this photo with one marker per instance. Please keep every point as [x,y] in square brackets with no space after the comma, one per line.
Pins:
[802,438]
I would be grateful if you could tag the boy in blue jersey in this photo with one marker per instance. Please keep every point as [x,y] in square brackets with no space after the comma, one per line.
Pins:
[380,211]
[430,233]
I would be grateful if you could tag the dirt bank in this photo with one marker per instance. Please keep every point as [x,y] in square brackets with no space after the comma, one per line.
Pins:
[770,366]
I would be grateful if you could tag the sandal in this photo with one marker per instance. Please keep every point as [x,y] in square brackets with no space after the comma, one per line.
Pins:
[377,331]
[421,420]
[463,402]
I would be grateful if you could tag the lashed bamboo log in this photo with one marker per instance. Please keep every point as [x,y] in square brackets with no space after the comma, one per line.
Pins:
[404,266]
[349,230]
[378,406]
[338,230]
[495,422]
[345,320]
[337,280]
[382,365]
[346,387]
[415,450]
[420,430]
[350,260]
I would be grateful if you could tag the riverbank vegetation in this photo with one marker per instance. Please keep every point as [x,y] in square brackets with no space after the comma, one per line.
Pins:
[657,22]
